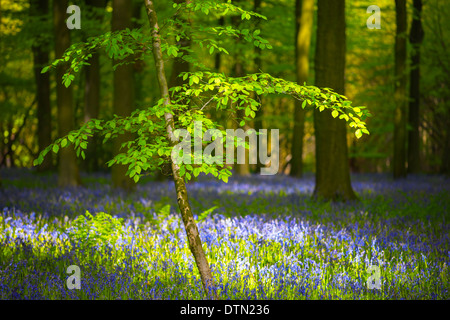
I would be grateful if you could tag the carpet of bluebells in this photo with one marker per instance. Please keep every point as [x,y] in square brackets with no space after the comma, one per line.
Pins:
[264,237]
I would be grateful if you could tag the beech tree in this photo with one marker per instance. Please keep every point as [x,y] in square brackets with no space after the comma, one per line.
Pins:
[400,93]
[68,172]
[416,35]
[332,168]
[92,88]
[123,102]
[157,129]
[41,48]
[304,13]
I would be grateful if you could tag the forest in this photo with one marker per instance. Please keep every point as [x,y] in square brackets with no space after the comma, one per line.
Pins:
[224,150]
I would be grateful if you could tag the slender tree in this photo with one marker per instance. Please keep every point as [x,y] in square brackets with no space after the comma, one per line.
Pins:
[123,103]
[415,38]
[39,9]
[332,167]
[179,66]
[92,91]
[68,174]
[242,169]
[139,65]
[195,243]
[400,94]
[258,122]
[304,13]
[218,56]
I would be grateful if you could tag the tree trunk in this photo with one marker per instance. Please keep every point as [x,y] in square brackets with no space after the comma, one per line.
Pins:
[40,8]
[139,65]
[332,168]
[179,66]
[304,12]
[415,38]
[259,114]
[445,163]
[399,161]
[193,236]
[92,95]
[242,169]
[68,174]
[238,70]
[123,103]
[218,56]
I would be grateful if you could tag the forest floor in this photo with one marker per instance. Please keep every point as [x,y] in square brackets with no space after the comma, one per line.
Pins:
[264,237]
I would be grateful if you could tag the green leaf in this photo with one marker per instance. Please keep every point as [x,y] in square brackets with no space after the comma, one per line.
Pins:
[45,69]
[202,216]
[335,113]
[136,178]
[63,143]
[67,82]
[38,160]
[55,148]
[358,133]
[303,104]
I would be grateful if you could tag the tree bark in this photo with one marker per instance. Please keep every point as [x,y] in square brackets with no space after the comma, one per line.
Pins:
[40,8]
[415,38]
[68,173]
[445,163]
[399,161]
[238,70]
[259,114]
[304,12]
[193,236]
[92,95]
[123,103]
[179,66]
[218,56]
[332,168]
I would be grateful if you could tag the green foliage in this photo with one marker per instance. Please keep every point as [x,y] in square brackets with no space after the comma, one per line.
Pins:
[94,232]
[203,89]
[202,216]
